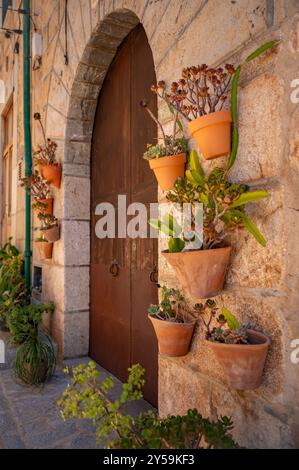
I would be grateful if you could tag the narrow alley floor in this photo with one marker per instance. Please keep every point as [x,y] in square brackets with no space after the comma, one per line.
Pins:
[29,417]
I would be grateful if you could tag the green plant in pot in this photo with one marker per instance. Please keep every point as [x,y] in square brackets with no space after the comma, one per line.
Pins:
[89,397]
[167,159]
[202,271]
[173,323]
[49,227]
[45,158]
[35,358]
[240,349]
[40,192]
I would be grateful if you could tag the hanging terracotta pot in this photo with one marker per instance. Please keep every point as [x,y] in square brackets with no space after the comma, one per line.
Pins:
[52,234]
[201,272]
[212,133]
[52,173]
[45,249]
[243,363]
[48,209]
[173,338]
[168,169]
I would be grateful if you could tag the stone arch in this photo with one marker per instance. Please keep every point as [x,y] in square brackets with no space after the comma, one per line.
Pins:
[89,77]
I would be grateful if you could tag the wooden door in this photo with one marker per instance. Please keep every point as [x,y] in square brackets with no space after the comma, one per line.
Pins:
[121,288]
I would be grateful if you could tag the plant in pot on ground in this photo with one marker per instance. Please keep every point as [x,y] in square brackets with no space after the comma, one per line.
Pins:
[202,271]
[240,349]
[35,358]
[40,192]
[167,159]
[45,158]
[172,322]
[91,398]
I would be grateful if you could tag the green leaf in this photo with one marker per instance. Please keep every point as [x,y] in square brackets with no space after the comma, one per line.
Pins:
[194,162]
[180,125]
[251,196]
[157,224]
[230,319]
[171,222]
[191,178]
[261,49]
[176,245]
[251,228]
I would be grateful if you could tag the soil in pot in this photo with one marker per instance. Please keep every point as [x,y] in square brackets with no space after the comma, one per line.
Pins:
[52,234]
[168,169]
[52,173]
[201,272]
[173,338]
[243,363]
[46,210]
[212,133]
[45,249]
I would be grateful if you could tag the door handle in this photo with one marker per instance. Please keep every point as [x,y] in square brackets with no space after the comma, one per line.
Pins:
[153,277]
[114,268]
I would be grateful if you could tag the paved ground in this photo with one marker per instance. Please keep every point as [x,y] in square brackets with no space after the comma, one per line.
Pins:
[30,419]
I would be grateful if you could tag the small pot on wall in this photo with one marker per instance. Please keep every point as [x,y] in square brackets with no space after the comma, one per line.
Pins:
[52,173]
[173,338]
[47,208]
[45,249]
[201,272]
[168,169]
[52,234]
[243,363]
[212,133]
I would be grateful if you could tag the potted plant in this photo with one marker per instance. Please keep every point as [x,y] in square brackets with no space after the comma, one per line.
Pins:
[172,323]
[45,247]
[45,158]
[167,159]
[240,349]
[50,227]
[40,192]
[202,271]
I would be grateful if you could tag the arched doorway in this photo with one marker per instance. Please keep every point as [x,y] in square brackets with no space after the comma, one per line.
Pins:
[121,283]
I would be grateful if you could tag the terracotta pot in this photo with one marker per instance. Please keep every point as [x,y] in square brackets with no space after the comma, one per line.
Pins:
[212,133]
[168,169]
[52,234]
[45,249]
[173,338]
[243,363]
[46,210]
[52,173]
[201,272]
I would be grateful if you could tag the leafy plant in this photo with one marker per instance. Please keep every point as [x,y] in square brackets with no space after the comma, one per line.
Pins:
[201,90]
[8,251]
[172,306]
[223,205]
[88,397]
[172,144]
[23,321]
[46,153]
[48,221]
[38,187]
[35,359]
[234,334]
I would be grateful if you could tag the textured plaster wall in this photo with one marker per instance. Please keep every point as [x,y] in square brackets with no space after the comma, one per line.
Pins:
[262,284]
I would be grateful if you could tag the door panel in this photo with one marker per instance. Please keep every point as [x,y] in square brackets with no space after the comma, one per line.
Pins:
[120,333]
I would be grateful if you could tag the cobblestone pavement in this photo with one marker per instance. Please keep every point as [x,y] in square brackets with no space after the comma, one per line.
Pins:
[29,417]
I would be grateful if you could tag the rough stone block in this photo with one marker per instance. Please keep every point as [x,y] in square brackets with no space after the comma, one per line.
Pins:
[76,325]
[76,288]
[76,242]
[76,198]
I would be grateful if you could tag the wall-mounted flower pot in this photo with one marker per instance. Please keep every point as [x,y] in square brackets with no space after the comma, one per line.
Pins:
[48,209]
[52,234]
[243,363]
[212,133]
[168,169]
[173,338]
[45,249]
[201,272]
[52,173]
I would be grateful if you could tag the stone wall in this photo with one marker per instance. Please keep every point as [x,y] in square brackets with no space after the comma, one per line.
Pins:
[262,284]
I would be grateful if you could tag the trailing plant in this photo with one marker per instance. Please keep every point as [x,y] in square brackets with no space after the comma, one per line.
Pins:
[223,205]
[38,186]
[172,306]
[228,329]
[23,321]
[89,397]
[46,153]
[48,221]
[171,144]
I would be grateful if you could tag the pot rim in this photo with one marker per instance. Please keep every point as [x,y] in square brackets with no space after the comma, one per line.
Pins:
[265,343]
[188,252]
[173,160]
[191,322]
[50,164]
[209,120]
